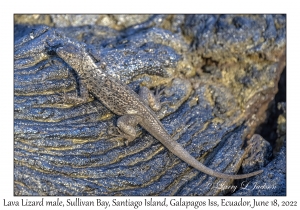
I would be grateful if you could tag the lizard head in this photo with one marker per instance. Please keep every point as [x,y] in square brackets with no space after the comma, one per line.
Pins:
[76,57]
[71,54]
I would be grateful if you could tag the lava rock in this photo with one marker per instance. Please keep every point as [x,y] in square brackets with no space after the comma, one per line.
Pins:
[219,72]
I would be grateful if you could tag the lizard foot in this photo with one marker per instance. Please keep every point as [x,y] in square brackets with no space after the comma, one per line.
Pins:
[116,132]
[71,99]
[152,99]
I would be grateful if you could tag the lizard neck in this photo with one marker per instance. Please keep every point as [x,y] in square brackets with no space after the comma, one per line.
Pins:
[87,67]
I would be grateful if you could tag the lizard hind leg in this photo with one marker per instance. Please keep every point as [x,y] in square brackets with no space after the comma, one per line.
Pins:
[126,125]
[150,99]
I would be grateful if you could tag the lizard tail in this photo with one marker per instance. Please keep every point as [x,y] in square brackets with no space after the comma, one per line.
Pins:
[180,152]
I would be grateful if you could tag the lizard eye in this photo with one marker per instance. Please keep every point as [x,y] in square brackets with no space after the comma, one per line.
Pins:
[51,50]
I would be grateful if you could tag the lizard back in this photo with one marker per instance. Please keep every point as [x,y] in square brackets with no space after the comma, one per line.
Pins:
[121,100]
[115,95]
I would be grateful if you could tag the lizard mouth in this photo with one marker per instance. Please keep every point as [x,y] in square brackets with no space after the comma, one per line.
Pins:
[68,52]
[52,50]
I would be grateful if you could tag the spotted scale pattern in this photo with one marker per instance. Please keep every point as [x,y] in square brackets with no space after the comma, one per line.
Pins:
[121,100]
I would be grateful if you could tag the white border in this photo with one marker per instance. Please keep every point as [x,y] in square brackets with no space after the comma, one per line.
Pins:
[8,8]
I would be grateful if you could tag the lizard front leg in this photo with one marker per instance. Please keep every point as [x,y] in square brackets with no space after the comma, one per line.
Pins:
[80,96]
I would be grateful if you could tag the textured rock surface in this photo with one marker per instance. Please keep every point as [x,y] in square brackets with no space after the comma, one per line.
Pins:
[273,181]
[220,73]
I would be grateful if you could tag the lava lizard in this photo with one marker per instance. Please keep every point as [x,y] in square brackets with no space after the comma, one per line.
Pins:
[121,100]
